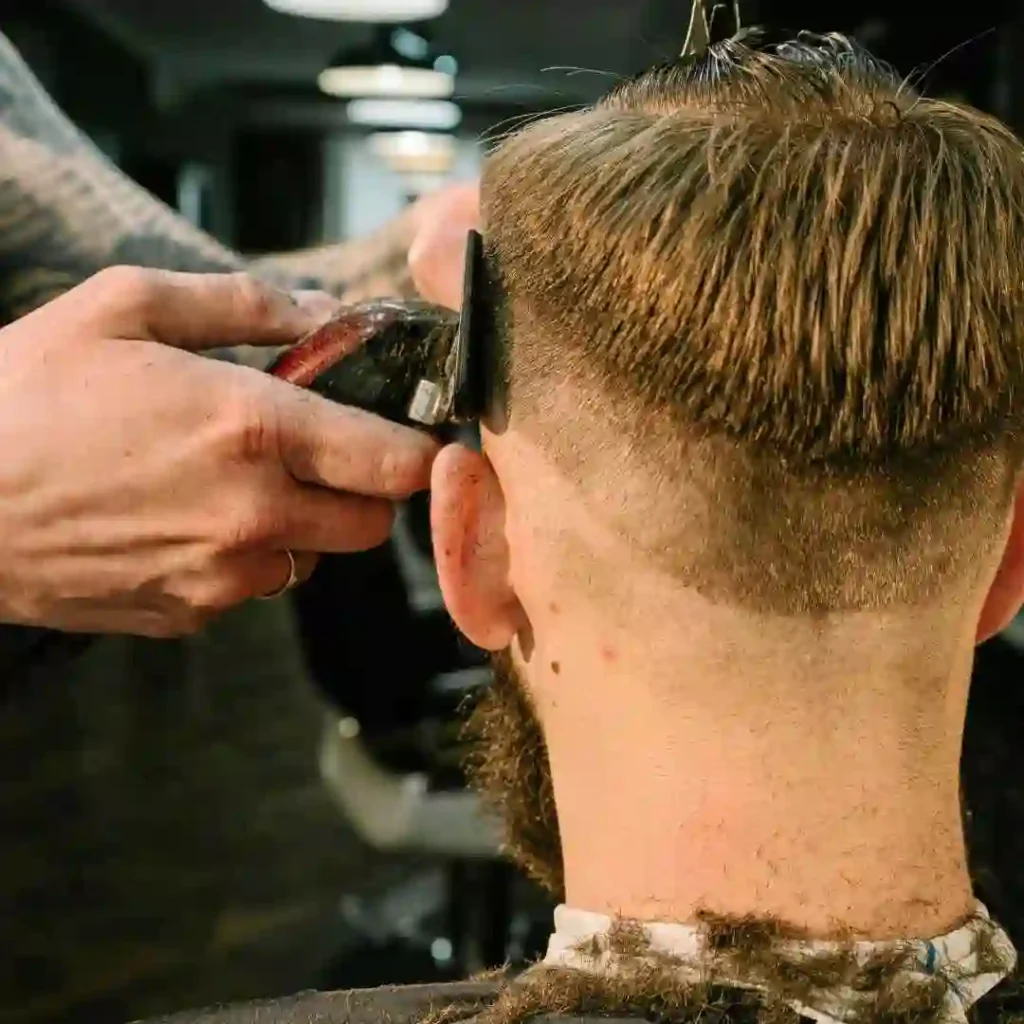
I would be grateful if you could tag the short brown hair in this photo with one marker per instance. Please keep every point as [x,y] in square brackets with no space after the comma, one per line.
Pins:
[800,286]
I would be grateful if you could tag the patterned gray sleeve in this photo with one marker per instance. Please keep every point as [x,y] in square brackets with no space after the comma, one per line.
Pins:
[66,212]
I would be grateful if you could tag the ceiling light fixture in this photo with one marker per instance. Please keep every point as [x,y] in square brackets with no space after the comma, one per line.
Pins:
[429,115]
[414,152]
[397,63]
[361,10]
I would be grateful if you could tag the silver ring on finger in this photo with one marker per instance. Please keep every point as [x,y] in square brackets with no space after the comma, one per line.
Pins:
[289,583]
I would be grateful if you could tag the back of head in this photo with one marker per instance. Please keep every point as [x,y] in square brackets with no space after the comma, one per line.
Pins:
[784,291]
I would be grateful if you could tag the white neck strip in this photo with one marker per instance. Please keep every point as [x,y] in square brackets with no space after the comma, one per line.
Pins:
[577,944]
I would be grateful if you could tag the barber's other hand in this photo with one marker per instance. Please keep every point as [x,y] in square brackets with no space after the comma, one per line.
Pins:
[437,257]
[144,489]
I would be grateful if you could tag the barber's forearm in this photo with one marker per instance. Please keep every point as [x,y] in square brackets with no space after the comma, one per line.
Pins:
[66,212]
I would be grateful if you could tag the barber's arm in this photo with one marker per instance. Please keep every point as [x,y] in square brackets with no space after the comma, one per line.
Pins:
[67,212]
[146,490]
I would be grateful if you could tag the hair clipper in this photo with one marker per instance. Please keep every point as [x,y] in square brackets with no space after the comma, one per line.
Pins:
[408,361]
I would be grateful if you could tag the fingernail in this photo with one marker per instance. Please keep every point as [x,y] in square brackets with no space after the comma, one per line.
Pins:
[319,305]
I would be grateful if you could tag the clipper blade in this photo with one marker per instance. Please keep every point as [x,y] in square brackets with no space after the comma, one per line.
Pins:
[373,356]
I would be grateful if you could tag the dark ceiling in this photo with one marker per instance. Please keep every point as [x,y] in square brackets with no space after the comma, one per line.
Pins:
[504,48]
[513,54]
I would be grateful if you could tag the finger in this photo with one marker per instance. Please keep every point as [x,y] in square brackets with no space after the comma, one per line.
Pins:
[271,575]
[115,621]
[195,311]
[321,305]
[346,449]
[459,200]
[314,519]
[230,581]
[438,253]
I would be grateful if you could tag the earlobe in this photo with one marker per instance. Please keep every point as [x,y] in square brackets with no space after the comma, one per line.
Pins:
[467,514]
[1006,595]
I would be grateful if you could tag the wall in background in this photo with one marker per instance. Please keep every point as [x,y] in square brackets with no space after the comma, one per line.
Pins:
[278,190]
[361,193]
[105,90]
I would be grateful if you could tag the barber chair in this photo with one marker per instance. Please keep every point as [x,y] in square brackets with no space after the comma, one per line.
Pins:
[394,671]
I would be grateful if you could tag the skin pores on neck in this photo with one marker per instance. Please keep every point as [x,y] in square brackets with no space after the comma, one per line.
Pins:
[705,758]
[713,763]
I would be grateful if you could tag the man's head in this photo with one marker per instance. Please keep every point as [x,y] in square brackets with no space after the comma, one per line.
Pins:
[763,323]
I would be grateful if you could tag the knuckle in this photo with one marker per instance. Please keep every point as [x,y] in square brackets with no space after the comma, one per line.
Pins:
[128,286]
[404,468]
[253,524]
[176,620]
[258,302]
[203,602]
[250,424]
[216,597]
[193,600]
[237,532]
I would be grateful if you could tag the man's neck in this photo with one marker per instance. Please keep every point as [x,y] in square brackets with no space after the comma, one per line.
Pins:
[831,805]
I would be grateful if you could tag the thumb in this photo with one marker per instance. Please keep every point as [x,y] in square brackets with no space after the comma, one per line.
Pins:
[437,256]
[193,311]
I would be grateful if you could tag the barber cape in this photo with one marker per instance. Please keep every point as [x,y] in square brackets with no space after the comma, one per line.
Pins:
[968,963]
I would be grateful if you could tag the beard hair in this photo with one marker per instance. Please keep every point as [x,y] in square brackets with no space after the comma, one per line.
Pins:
[507,763]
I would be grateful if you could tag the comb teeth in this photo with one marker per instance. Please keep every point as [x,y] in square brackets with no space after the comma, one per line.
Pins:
[711,23]
[723,22]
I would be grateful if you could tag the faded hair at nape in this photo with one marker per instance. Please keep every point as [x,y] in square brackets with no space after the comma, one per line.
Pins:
[792,285]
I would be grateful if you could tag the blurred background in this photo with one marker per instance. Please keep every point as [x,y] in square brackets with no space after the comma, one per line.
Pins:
[277,805]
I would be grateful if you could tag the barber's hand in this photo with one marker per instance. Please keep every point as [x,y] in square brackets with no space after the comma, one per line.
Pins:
[437,257]
[144,489]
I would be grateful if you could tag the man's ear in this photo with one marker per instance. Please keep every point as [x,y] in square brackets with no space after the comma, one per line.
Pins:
[467,518]
[1006,595]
